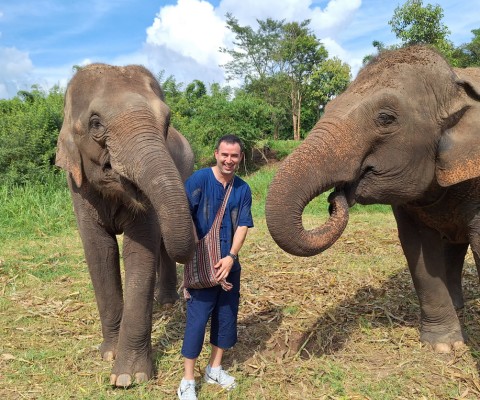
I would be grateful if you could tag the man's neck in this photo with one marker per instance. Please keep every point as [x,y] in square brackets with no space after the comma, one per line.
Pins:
[224,179]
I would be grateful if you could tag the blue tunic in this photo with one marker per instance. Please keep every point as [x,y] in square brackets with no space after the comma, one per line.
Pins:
[204,208]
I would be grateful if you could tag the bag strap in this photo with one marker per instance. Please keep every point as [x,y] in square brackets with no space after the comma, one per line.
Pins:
[221,210]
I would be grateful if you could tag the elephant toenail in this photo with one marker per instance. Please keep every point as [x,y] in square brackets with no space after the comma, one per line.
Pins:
[442,348]
[141,377]
[123,380]
[108,356]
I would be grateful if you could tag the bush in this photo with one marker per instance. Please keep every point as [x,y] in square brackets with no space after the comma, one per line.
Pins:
[29,127]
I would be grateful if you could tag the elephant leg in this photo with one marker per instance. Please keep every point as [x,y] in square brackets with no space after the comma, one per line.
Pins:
[454,258]
[424,251]
[475,246]
[166,286]
[133,361]
[102,257]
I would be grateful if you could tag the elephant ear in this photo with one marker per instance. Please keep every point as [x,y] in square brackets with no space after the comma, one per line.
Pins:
[458,157]
[68,157]
[181,152]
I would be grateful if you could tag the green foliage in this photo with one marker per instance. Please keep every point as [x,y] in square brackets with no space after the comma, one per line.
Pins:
[413,23]
[34,209]
[255,54]
[329,79]
[29,127]
[209,117]
[276,63]
[468,54]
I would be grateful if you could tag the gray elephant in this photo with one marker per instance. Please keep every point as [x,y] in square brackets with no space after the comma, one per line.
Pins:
[406,132]
[126,166]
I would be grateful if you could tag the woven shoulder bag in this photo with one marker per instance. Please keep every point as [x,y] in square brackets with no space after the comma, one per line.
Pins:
[199,272]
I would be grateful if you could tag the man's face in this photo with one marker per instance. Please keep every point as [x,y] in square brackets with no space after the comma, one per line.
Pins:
[228,157]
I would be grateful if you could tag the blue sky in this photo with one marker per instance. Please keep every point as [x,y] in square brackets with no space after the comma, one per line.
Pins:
[41,40]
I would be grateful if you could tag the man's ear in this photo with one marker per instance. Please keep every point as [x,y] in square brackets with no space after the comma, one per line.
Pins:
[68,156]
[458,156]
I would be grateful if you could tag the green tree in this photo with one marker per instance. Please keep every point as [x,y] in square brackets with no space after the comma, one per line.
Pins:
[414,23]
[302,53]
[468,54]
[255,53]
[256,63]
[29,127]
[327,81]
[217,114]
[275,63]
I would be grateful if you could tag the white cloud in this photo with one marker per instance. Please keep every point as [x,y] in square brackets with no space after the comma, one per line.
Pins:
[15,65]
[14,62]
[190,28]
[334,19]
[185,38]
[3,91]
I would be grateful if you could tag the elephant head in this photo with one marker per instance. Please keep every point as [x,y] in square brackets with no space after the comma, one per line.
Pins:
[407,126]
[116,139]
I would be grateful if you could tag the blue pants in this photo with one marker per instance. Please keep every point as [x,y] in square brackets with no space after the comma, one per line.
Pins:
[222,307]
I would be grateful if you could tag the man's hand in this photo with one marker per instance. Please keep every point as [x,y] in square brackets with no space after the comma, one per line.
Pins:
[223,267]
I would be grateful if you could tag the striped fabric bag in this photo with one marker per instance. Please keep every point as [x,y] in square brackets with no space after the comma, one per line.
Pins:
[199,273]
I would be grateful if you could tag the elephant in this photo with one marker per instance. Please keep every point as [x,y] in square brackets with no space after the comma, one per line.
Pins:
[126,167]
[406,133]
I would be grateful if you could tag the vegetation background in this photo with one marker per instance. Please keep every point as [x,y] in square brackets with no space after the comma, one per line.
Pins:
[341,325]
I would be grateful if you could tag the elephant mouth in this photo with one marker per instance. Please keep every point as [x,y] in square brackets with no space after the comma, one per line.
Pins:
[356,191]
[115,185]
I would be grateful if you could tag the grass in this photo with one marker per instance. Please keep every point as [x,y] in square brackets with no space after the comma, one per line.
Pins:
[340,325]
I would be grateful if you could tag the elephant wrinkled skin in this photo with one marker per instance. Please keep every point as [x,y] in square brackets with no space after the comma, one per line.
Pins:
[406,132]
[126,167]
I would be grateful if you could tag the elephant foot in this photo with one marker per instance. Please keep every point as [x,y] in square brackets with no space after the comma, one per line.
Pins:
[444,342]
[131,368]
[125,380]
[107,351]
[166,298]
[445,348]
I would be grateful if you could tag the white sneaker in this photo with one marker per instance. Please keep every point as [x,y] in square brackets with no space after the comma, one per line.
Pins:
[186,390]
[220,377]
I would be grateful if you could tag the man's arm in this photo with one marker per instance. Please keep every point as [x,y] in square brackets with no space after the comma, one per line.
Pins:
[225,264]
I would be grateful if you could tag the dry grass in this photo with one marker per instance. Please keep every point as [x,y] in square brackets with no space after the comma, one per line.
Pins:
[341,325]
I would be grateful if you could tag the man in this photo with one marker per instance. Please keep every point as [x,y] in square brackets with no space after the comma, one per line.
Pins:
[205,191]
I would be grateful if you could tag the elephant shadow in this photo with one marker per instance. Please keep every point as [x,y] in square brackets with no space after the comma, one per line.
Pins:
[394,304]
[256,330]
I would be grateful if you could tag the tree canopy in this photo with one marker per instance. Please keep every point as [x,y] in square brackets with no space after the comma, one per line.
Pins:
[276,63]
[283,78]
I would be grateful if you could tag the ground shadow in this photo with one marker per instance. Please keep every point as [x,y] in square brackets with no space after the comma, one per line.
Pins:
[394,304]
[254,331]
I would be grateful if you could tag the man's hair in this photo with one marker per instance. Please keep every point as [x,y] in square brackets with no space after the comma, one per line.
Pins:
[230,139]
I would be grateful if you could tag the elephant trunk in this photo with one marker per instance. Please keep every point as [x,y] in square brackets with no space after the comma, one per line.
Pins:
[312,169]
[147,163]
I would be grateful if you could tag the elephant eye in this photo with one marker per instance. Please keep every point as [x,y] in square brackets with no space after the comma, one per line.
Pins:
[385,119]
[96,128]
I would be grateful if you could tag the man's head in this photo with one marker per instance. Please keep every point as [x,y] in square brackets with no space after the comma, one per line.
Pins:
[229,154]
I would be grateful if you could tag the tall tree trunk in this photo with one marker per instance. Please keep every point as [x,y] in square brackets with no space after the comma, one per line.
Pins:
[296,113]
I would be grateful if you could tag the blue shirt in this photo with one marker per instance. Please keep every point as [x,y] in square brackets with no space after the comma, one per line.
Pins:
[205,196]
